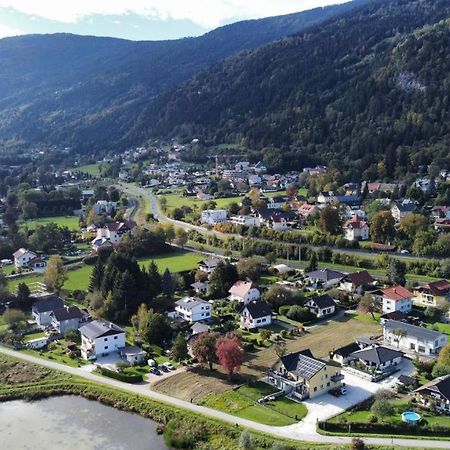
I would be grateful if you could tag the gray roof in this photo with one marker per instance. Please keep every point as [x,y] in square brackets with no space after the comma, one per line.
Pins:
[199,327]
[132,350]
[190,303]
[413,330]
[377,355]
[303,364]
[48,304]
[325,275]
[210,263]
[324,301]
[67,313]
[97,328]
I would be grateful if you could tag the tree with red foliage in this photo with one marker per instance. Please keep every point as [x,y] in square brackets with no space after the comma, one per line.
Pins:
[204,348]
[230,353]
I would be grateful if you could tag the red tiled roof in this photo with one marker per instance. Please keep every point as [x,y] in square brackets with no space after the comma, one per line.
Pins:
[397,293]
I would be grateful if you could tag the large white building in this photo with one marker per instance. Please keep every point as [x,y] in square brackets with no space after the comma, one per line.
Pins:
[113,233]
[411,338]
[214,216]
[100,338]
[193,309]
[397,298]
[356,229]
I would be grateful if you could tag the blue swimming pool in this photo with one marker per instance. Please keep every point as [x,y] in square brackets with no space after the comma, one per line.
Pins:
[411,417]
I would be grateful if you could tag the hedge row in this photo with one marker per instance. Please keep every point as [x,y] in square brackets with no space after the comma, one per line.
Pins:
[385,428]
[126,378]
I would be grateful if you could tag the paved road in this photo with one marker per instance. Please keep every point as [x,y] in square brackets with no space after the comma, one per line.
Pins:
[160,216]
[296,432]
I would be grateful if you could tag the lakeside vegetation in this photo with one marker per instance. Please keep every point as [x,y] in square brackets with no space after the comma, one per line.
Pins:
[23,380]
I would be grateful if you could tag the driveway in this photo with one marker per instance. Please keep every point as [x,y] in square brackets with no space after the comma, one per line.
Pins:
[358,390]
[292,432]
[153,379]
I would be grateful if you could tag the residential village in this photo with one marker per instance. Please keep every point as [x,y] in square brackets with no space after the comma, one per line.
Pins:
[281,295]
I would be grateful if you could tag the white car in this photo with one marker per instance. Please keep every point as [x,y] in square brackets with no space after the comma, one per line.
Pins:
[169,366]
[152,363]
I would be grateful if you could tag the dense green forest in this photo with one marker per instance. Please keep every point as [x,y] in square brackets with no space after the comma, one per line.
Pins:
[366,92]
[87,93]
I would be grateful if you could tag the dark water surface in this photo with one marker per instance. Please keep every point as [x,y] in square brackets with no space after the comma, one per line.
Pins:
[74,423]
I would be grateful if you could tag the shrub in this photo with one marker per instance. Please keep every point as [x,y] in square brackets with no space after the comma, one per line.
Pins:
[184,434]
[357,444]
[126,378]
[284,309]
[246,441]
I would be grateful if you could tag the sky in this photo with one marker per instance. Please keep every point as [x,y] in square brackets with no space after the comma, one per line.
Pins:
[138,19]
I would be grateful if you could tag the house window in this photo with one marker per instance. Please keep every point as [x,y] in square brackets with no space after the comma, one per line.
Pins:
[328,384]
[106,347]
[315,389]
[258,321]
[105,339]
[115,337]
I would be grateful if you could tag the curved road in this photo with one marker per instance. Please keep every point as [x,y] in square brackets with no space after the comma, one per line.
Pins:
[160,216]
[283,432]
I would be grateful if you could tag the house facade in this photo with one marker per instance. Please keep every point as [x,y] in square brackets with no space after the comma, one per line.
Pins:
[356,281]
[356,229]
[255,314]
[22,258]
[244,292]
[322,306]
[396,298]
[214,216]
[114,232]
[100,338]
[43,308]
[436,394]
[66,318]
[414,339]
[193,309]
[302,376]
[432,293]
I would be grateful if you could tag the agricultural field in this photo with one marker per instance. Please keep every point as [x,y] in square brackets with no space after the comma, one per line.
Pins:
[71,222]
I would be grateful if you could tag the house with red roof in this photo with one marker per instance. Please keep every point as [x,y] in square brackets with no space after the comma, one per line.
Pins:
[397,298]
[356,281]
[356,229]
[432,293]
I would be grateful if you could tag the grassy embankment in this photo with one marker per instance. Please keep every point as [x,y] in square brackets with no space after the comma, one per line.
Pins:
[22,380]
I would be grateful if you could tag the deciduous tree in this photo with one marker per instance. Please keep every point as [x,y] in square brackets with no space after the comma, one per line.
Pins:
[56,274]
[204,348]
[230,353]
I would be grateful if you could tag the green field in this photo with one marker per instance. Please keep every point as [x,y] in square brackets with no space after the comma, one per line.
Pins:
[243,403]
[90,169]
[78,279]
[175,262]
[71,222]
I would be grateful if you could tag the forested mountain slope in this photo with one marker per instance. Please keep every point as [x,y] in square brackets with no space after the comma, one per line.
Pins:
[367,92]
[86,92]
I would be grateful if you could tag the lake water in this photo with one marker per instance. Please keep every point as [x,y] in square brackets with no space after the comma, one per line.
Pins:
[74,423]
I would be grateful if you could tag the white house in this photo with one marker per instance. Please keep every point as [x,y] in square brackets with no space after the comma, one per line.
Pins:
[377,357]
[104,206]
[22,258]
[132,354]
[66,318]
[100,338]
[412,338]
[208,265]
[193,309]
[322,306]
[256,314]
[113,232]
[325,198]
[356,229]
[246,221]
[397,298]
[244,292]
[214,216]
[42,309]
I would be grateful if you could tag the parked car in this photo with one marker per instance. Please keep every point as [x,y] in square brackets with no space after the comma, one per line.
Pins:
[155,371]
[169,366]
[164,368]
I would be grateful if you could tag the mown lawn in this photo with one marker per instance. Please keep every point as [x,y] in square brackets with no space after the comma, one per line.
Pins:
[71,222]
[78,279]
[243,403]
[32,337]
[175,262]
[176,200]
[439,326]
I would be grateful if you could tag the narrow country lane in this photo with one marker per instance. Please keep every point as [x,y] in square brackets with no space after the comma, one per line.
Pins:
[283,432]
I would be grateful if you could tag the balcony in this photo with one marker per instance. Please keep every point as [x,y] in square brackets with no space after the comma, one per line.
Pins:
[337,377]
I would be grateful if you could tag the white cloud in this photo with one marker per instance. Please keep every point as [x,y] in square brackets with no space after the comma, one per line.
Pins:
[207,13]
[5,31]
